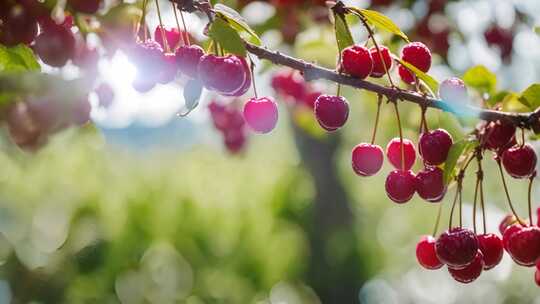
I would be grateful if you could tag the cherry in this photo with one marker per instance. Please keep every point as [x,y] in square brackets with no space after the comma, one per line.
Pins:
[537,277]
[425,253]
[85,56]
[225,118]
[538,216]
[172,36]
[434,146]
[356,61]
[519,161]
[55,45]
[508,220]
[290,84]
[393,153]
[105,95]
[457,247]
[523,245]
[310,98]
[400,185]
[85,6]
[367,159]
[331,111]
[430,184]
[508,232]
[148,57]
[453,90]
[492,249]
[22,128]
[501,38]
[169,70]
[261,114]
[417,54]
[50,115]
[471,272]
[142,84]
[80,111]
[498,134]
[378,67]
[235,140]
[226,75]
[17,25]
[406,75]
[187,58]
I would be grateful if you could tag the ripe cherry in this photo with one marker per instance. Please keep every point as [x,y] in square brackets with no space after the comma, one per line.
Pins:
[226,75]
[378,67]
[148,58]
[235,140]
[523,245]
[289,84]
[508,232]
[430,184]
[367,159]
[356,61]
[310,98]
[471,272]
[85,6]
[169,70]
[22,128]
[519,161]
[55,45]
[498,134]
[406,75]
[393,153]
[492,249]
[434,146]
[187,59]
[400,185]
[331,111]
[457,247]
[506,222]
[425,253]
[417,54]
[261,114]
[172,36]
[453,90]
[537,277]
[17,25]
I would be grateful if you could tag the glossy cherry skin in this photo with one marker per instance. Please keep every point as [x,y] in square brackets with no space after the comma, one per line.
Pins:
[453,90]
[498,134]
[457,247]
[85,6]
[417,54]
[506,222]
[430,184]
[226,75]
[508,232]
[520,161]
[331,111]
[261,114]
[367,159]
[290,84]
[356,61]
[400,186]
[406,75]
[425,253]
[471,272]
[434,146]
[523,245]
[393,153]
[172,36]
[187,59]
[55,45]
[378,67]
[492,249]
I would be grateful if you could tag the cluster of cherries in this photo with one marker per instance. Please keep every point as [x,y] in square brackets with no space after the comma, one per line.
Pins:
[228,120]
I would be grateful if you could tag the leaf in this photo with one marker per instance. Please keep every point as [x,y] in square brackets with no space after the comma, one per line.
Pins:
[192,94]
[428,80]
[537,30]
[458,149]
[227,37]
[512,103]
[237,22]
[381,21]
[343,33]
[498,97]
[481,79]
[19,58]
[531,97]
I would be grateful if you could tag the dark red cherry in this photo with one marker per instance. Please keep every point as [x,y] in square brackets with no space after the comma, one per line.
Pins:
[261,114]
[524,245]
[537,277]
[430,184]
[226,75]
[400,186]
[492,249]
[55,45]
[367,159]
[425,253]
[508,232]
[393,153]
[17,25]
[172,36]
[406,75]
[290,83]
[520,161]
[23,129]
[235,140]
[434,146]
[506,222]
[378,67]
[356,61]
[457,247]
[470,272]
[187,58]
[417,54]
[85,6]
[331,111]
[498,134]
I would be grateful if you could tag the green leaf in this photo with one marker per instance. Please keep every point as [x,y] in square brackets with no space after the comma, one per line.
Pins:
[343,33]
[531,97]
[381,21]
[237,22]
[512,103]
[19,58]
[498,97]
[481,79]
[458,149]
[428,80]
[537,30]
[221,31]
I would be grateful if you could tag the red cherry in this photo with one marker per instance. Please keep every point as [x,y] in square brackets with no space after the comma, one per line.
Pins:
[430,184]
[400,185]
[148,58]
[537,277]
[471,272]
[22,128]
[393,153]
[520,161]
[417,54]
[169,70]
[367,159]
[356,61]
[235,140]
[453,90]
[17,25]
[434,146]
[425,253]
[187,58]
[261,114]
[457,247]
[378,67]
[498,134]
[85,56]
[405,75]
[85,6]
[508,220]
[55,45]
[508,232]
[331,111]
[225,118]
[172,36]
[310,98]
[523,245]
[226,75]
[289,83]
[538,216]
[492,249]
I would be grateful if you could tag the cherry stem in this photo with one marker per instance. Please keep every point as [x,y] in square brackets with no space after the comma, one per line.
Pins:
[251,68]
[475,201]
[522,137]
[460,206]
[438,220]
[185,34]
[423,123]
[453,205]
[529,198]
[142,22]
[162,30]
[400,135]
[481,178]
[178,25]
[379,103]
[338,92]
[508,194]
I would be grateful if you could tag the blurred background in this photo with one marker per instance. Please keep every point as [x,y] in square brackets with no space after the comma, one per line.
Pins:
[145,206]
